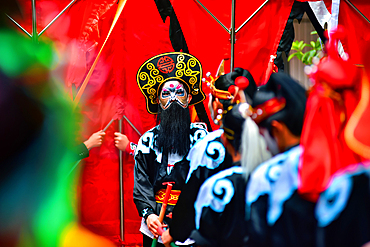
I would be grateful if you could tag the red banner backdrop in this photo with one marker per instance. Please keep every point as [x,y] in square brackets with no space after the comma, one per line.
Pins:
[78,35]
[353,22]
[139,34]
[255,42]
[326,148]
[356,26]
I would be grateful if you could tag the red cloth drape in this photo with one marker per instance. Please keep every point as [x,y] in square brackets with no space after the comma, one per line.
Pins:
[255,42]
[139,34]
[356,26]
[78,35]
[337,103]
[324,149]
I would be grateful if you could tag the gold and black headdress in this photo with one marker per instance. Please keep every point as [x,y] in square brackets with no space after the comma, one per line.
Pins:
[179,66]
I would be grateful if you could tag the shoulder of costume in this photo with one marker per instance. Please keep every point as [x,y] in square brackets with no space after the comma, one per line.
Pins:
[335,198]
[207,152]
[198,131]
[285,185]
[146,141]
[198,125]
[264,176]
[220,185]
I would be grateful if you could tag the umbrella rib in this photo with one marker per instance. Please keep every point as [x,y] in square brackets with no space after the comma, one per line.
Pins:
[250,17]
[131,124]
[56,17]
[20,27]
[358,11]
[214,17]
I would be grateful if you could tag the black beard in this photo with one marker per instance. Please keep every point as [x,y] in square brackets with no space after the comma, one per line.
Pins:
[174,130]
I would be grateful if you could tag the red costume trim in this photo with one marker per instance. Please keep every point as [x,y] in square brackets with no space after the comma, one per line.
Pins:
[267,109]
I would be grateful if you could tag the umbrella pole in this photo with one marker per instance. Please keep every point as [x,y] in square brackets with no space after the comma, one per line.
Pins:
[34,23]
[121,188]
[232,35]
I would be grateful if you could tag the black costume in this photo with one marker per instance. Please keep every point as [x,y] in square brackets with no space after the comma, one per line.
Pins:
[277,214]
[170,82]
[152,170]
[209,155]
[290,216]
[220,211]
[207,158]
[343,209]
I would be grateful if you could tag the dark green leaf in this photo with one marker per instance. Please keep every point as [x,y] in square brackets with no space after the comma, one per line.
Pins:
[305,57]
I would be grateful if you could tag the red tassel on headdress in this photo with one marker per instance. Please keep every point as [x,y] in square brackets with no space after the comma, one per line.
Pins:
[242,82]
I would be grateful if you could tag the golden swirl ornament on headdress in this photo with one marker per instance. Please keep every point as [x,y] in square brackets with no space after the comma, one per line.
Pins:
[178,66]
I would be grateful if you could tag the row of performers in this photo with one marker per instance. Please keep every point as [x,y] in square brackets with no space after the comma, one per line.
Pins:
[241,185]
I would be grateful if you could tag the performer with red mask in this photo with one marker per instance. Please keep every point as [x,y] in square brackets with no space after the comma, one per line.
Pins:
[170,83]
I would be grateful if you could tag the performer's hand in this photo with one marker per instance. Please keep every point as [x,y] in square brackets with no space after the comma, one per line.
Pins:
[121,141]
[166,238]
[95,140]
[153,223]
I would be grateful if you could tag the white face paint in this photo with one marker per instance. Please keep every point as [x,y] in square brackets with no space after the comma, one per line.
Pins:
[271,143]
[173,91]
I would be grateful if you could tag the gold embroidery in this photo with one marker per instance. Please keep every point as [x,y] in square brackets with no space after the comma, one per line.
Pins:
[185,69]
[170,66]
[174,197]
[152,79]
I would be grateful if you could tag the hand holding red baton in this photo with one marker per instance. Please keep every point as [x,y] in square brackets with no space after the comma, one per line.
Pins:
[164,207]
[160,231]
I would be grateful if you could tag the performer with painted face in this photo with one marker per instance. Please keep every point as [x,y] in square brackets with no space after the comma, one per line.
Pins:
[170,83]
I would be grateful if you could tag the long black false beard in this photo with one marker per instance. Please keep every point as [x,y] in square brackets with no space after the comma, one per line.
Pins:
[174,130]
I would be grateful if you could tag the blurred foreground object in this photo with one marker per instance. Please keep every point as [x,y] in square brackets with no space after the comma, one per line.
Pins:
[335,106]
[37,206]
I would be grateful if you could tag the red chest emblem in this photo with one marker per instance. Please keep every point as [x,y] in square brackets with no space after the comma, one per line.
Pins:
[165,64]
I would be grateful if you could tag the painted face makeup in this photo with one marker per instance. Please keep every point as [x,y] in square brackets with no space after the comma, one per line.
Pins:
[173,91]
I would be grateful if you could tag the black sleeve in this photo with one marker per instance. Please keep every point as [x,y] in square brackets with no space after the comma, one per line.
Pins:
[257,225]
[143,189]
[212,211]
[297,224]
[183,215]
[211,229]
[81,151]
[201,240]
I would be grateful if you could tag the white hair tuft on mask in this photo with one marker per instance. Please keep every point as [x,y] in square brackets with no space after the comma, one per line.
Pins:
[253,147]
